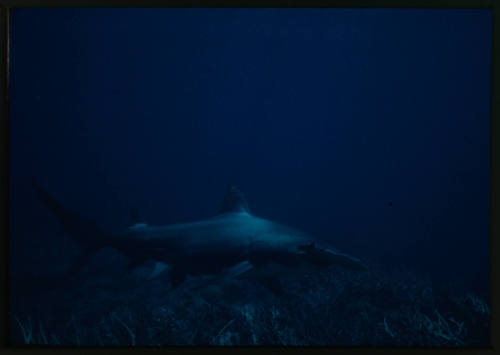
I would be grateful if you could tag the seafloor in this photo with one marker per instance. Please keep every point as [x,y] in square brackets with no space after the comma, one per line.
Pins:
[336,307]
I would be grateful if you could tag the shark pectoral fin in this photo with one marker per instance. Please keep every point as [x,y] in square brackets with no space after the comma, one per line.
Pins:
[266,275]
[339,259]
[349,262]
[159,268]
[326,257]
[251,273]
[236,270]
[233,272]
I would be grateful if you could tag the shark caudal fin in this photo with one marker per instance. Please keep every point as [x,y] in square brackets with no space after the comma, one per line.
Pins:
[83,230]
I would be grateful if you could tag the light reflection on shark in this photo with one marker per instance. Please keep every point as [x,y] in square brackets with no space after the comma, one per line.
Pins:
[233,244]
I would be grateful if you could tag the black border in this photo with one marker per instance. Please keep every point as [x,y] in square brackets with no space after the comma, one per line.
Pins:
[470,4]
[4,177]
[5,5]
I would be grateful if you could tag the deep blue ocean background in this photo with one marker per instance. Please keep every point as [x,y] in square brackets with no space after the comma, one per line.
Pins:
[368,128]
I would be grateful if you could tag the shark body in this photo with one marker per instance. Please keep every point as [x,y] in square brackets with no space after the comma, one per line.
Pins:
[234,243]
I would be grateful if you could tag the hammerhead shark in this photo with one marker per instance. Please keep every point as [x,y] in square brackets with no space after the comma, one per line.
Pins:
[234,243]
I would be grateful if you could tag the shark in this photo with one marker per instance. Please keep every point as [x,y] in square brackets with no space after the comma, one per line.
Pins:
[232,244]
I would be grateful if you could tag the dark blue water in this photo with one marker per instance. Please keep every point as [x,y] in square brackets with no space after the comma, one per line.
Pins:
[366,128]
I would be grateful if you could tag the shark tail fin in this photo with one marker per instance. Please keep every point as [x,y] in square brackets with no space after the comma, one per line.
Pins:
[83,230]
[327,257]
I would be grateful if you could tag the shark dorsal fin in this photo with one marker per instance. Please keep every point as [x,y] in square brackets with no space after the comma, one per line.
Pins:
[135,221]
[234,201]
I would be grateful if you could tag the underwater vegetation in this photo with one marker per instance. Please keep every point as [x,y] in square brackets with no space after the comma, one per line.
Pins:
[335,307]
[106,302]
